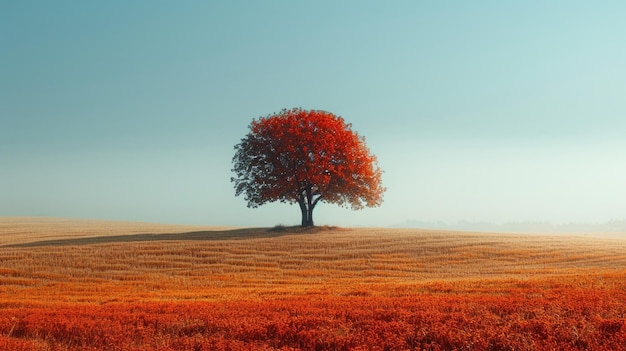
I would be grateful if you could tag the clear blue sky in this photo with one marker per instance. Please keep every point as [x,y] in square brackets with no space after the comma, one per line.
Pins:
[477,110]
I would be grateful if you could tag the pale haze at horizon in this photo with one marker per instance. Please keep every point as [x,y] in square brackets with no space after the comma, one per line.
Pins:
[483,111]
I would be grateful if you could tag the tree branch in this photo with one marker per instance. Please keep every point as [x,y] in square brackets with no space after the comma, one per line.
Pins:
[316,200]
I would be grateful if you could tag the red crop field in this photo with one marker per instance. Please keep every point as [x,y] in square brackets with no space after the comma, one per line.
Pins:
[88,285]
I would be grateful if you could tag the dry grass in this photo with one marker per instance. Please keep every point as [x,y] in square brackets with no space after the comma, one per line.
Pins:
[19,230]
[94,285]
[75,261]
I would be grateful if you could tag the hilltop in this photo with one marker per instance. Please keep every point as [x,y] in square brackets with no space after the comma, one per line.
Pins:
[102,285]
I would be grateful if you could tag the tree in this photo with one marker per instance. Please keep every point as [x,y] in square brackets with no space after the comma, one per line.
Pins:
[304,157]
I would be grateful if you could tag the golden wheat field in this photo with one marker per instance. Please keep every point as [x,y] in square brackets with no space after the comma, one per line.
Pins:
[103,285]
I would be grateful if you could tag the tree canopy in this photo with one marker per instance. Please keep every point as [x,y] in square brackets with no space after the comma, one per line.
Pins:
[304,157]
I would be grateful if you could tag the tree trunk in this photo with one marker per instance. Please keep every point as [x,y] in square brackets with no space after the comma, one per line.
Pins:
[310,217]
[306,207]
[307,221]
[307,216]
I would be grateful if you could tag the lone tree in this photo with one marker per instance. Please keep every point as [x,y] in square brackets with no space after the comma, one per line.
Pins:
[304,157]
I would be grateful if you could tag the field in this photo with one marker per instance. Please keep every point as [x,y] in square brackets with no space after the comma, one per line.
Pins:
[90,285]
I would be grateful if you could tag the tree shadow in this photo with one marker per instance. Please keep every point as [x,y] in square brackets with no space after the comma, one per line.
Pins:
[229,234]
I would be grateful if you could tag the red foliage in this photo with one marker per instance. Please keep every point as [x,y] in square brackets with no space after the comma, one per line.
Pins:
[304,157]
[560,318]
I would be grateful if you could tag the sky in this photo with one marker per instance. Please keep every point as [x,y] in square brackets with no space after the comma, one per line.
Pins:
[481,111]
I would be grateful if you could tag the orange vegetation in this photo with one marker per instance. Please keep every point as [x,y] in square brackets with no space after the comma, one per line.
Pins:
[118,287]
